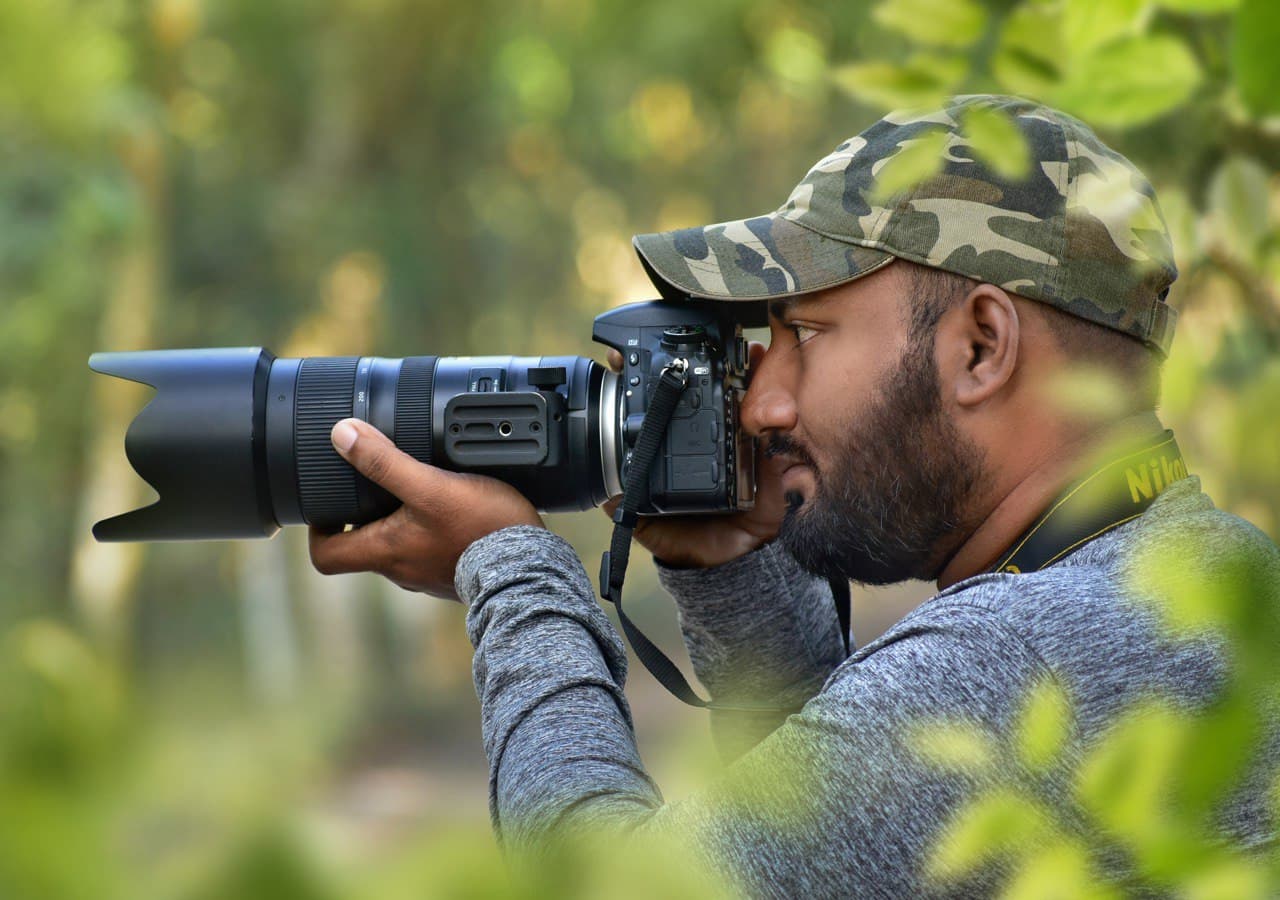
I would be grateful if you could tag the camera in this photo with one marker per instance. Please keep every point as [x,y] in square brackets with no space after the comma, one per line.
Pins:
[236,441]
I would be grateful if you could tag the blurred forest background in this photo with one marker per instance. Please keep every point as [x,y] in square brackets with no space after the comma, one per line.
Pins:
[400,177]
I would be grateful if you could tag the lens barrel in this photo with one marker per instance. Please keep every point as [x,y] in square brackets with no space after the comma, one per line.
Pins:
[236,442]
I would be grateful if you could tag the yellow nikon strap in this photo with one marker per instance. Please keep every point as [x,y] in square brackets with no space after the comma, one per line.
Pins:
[1115,493]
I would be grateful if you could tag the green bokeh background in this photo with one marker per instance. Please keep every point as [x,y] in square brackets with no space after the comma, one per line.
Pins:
[403,177]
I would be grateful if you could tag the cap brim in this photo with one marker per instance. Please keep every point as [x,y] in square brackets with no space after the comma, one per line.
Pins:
[748,260]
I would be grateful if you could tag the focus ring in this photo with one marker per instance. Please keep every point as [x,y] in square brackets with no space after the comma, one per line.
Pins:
[413,406]
[326,483]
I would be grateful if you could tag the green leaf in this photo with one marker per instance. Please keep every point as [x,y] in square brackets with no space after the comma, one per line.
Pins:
[1235,879]
[954,746]
[1125,781]
[1088,24]
[1130,81]
[1029,57]
[1001,822]
[997,142]
[796,56]
[924,80]
[1238,205]
[1044,724]
[917,159]
[1060,870]
[938,23]
[1255,64]
[1188,592]
[1199,6]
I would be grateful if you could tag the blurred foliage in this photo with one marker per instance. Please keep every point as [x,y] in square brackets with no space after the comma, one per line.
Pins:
[1153,789]
[410,176]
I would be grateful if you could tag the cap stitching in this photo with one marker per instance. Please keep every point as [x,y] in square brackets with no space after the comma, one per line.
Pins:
[1068,192]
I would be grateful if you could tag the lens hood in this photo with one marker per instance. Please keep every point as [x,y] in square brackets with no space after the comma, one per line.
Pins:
[199,442]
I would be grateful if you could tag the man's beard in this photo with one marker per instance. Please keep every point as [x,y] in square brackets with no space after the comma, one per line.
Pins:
[891,504]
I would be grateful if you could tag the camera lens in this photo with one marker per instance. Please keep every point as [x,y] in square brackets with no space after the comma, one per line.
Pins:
[237,443]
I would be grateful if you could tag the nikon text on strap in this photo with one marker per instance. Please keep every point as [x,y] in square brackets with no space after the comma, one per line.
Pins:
[1116,492]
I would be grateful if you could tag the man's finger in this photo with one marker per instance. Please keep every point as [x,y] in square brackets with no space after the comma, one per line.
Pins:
[615,360]
[336,553]
[373,455]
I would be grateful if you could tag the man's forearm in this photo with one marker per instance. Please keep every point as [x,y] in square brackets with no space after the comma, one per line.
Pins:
[548,665]
[760,631]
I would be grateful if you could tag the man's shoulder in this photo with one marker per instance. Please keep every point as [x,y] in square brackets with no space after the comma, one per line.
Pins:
[1099,620]
[1183,527]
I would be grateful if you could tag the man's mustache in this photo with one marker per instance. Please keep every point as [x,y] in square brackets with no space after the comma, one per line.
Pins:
[786,446]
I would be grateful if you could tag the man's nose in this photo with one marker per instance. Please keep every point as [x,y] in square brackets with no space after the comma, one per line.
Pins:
[769,404]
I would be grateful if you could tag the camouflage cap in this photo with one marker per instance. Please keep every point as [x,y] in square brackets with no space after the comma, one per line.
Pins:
[1081,230]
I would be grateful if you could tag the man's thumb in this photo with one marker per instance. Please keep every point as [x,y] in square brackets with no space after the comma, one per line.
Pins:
[344,436]
[374,456]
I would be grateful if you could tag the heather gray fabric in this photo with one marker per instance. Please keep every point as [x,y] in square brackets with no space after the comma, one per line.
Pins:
[833,801]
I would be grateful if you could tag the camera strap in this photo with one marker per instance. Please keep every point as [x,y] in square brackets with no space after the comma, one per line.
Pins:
[613,564]
[1116,492]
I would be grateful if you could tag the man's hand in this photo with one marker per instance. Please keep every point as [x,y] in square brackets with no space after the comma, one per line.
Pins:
[711,540]
[418,545]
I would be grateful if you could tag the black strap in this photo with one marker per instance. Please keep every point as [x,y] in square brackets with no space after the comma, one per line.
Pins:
[844,610]
[613,565]
[1112,494]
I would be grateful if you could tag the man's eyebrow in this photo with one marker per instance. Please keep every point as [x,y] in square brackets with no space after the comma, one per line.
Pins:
[778,308]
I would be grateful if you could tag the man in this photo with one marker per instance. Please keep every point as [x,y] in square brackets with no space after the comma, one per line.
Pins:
[916,424]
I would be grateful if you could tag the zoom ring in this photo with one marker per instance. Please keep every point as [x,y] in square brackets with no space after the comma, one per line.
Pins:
[413,406]
[326,483]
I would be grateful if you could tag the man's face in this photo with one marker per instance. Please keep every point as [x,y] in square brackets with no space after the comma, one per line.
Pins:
[879,475]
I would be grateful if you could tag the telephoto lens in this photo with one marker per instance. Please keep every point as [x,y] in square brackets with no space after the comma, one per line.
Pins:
[236,442]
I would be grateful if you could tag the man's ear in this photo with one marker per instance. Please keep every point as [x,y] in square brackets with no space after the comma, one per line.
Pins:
[977,345]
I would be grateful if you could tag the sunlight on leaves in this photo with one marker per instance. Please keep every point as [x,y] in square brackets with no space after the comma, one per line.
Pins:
[939,23]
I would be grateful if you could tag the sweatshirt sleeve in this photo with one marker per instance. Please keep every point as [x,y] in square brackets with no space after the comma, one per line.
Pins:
[760,631]
[834,802]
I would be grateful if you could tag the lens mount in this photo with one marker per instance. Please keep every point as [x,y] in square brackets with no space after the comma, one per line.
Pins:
[610,418]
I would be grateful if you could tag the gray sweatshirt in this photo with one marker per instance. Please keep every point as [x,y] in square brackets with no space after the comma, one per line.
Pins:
[838,799]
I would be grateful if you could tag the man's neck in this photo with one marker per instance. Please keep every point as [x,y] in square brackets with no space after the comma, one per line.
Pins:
[1038,485]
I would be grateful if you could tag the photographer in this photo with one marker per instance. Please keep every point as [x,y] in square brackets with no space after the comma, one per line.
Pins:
[913,423]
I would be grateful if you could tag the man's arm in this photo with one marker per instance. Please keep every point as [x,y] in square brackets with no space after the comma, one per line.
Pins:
[833,802]
[760,631]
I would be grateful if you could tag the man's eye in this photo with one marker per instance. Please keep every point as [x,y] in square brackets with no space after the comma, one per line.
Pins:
[802,332]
